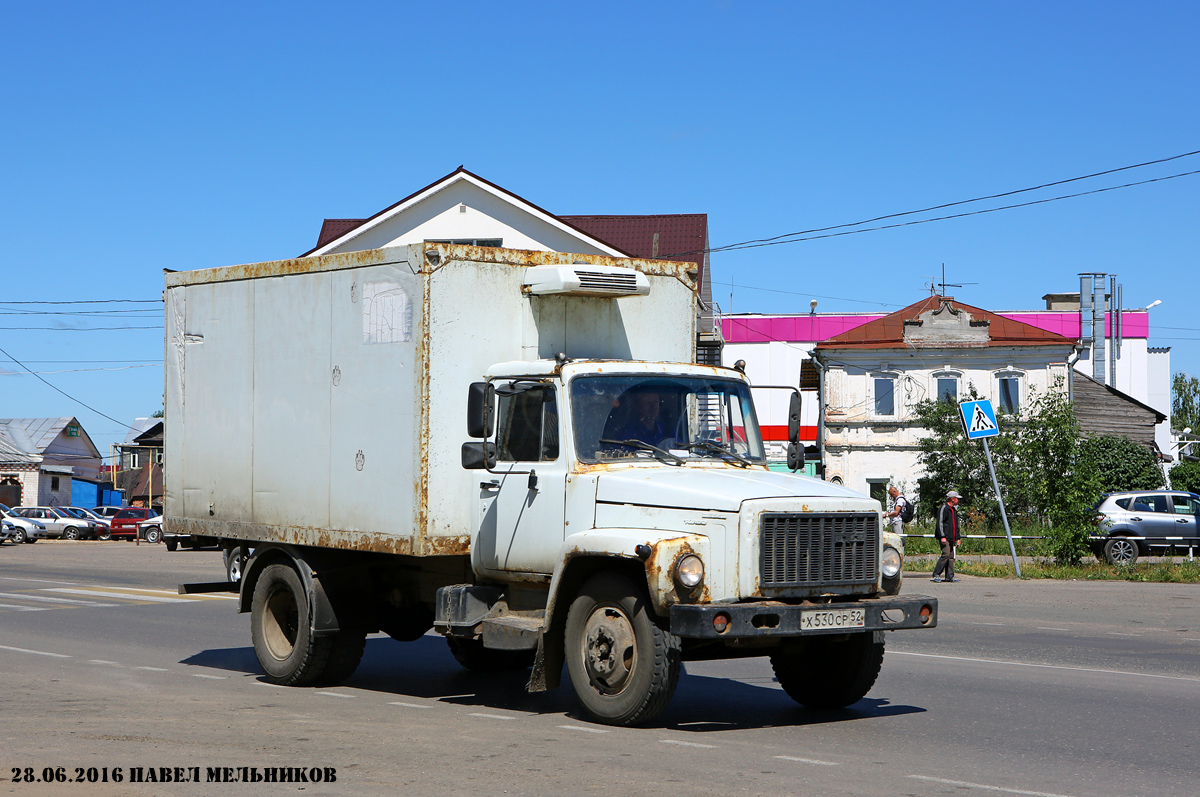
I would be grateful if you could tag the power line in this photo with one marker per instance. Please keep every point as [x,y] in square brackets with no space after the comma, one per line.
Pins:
[735,247]
[777,239]
[93,301]
[72,398]
[72,329]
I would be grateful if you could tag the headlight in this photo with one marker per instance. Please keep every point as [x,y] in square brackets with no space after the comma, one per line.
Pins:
[689,571]
[892,562]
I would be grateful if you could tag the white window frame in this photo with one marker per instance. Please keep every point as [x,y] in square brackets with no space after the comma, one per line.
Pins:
[895,379]
[1022,380]
[946,373]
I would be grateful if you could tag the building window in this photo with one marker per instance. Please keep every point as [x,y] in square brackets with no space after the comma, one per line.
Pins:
[947,387]
[878,490]
[494,242]
[885,395]
[54,484]
[1008,393]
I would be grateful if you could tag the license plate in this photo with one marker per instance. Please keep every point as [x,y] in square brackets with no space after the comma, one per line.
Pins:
[833,618]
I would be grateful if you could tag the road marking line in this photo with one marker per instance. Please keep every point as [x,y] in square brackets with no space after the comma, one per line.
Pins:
[36,580]
[197,596]
[688,744]
[581,728]
[24,608]
[409,705]
[1118,633]
[968,622]
[153,669]
[985,786]
[102,661]
[494,716]
[1045,666]
[125,595]
[335,694]
[210,677]
[809,761]
[47,599]
[37,652]
[273,686]
[1045,628]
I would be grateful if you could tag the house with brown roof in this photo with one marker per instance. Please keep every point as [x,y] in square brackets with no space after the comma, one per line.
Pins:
[876,373]
[463,208]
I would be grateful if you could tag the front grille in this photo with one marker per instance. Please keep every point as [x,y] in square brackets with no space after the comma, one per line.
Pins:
[818,549]
[603,281]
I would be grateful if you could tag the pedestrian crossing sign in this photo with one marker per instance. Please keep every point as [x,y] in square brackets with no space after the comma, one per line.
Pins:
[979,419]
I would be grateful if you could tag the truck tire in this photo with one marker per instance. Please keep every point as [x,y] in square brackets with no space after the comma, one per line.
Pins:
[623,663]
[471,654]
[1120,551]
[171,544]
[235,561]
[346,651]
[280,628]
[830,672]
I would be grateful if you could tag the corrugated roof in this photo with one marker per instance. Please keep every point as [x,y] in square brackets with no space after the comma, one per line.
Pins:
[888,332]
[34,435]
[332,229]
[680,236]
[137,428]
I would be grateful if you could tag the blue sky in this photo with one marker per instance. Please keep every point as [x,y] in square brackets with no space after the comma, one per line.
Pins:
[143,136]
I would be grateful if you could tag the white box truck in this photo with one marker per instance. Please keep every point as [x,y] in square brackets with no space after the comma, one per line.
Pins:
[516,450]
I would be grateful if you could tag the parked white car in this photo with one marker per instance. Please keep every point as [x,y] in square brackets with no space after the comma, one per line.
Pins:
[24,529]
[59,523]
[87,514]
[150,529]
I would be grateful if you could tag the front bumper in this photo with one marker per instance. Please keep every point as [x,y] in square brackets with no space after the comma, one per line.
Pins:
[763,619]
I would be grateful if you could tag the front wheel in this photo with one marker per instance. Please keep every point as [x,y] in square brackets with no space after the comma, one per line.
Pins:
[153,534]
[106,534]
[623,663]
[830,672]
[19,536]
[1121,551]
[70,533]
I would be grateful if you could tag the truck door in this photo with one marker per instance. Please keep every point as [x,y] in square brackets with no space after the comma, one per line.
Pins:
[522,511]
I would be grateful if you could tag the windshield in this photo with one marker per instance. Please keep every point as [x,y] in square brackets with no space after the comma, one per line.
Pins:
[671,418]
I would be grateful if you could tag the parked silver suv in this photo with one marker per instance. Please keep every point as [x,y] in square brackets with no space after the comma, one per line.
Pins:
[1133,523]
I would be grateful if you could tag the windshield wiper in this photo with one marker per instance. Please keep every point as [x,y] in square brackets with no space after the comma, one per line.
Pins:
[708,445]
[643,446]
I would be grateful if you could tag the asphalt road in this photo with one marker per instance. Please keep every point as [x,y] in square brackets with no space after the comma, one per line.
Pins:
[1027,688]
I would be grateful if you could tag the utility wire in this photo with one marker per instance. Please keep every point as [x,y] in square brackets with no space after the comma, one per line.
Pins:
[94,301]
[748,245]
[72,398]
[776,238]
[73,329]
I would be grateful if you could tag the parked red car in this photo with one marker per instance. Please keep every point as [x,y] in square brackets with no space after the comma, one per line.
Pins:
[125,523]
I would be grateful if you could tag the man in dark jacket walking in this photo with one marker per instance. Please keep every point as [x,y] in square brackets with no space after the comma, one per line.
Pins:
[948,536]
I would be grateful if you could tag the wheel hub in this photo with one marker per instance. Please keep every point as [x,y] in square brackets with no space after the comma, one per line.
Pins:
[610,649]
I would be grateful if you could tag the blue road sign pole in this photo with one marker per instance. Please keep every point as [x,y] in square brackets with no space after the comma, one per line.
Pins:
[1003,515]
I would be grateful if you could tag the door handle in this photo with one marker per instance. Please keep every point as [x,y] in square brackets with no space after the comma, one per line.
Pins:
[1136,519]
[1181,520]
[494,484]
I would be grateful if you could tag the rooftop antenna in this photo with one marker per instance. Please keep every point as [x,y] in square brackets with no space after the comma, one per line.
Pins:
[944,285]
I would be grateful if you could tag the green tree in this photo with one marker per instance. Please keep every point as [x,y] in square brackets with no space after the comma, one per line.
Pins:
[1123,464]
[1186,476]
[1185,402]
[1053,478]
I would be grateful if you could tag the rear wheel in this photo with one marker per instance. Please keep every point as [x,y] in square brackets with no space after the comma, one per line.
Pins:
[235,561]
[830,672]
[153,534]
[280,627]
[105,534]
[70,533]
[624,664]
[1121,551]
[171,544]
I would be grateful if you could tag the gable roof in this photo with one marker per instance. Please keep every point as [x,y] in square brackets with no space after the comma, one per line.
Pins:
[888,332]
[336,232]
[678,236]
[26,439]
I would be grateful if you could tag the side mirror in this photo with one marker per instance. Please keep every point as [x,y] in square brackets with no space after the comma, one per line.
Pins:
[794,422]
[479,456]
[795,456]
[480,399]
